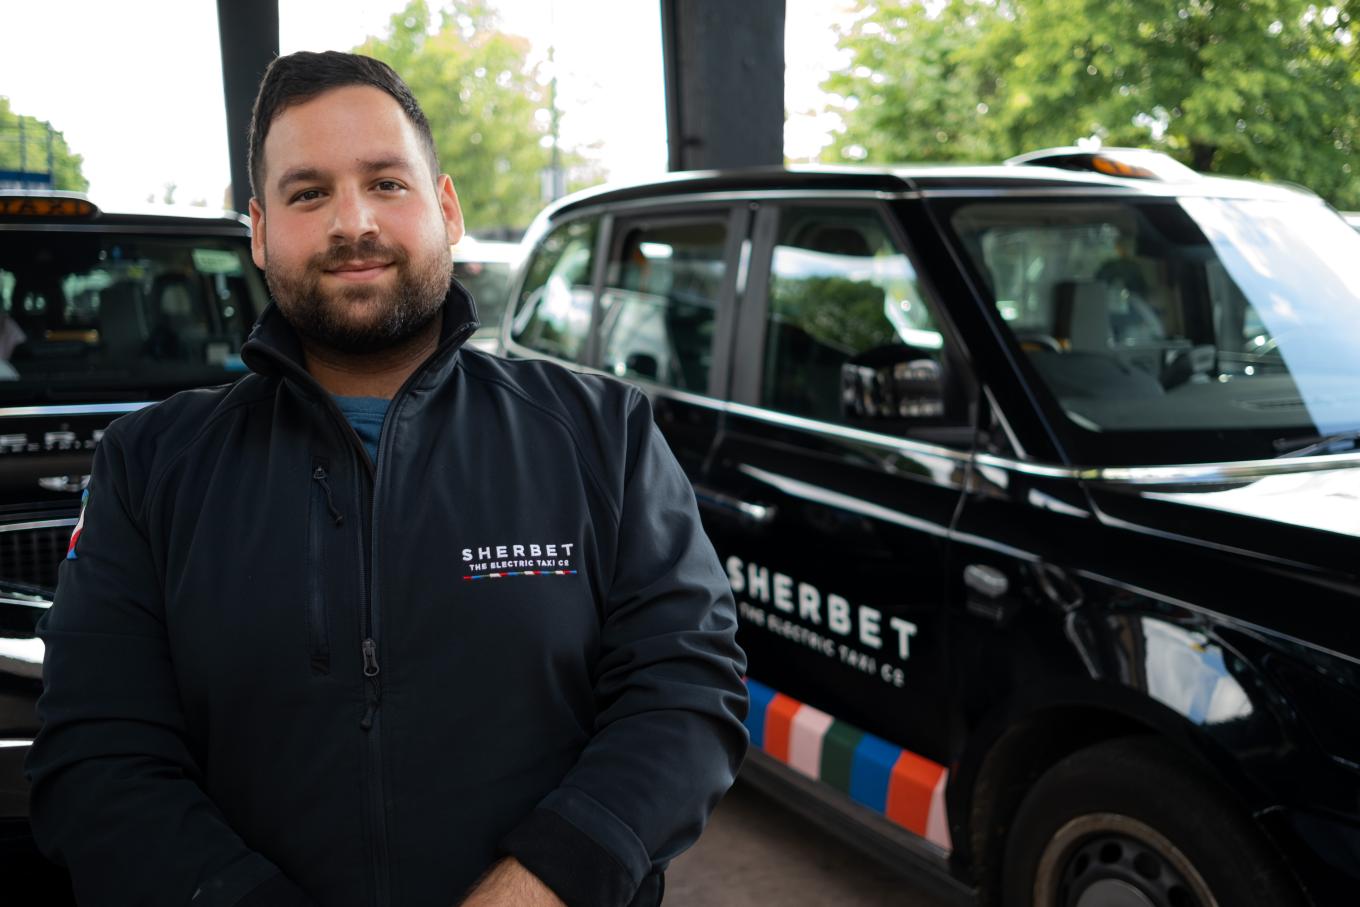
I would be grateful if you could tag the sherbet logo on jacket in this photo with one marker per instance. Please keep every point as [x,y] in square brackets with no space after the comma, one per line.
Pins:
[528,559]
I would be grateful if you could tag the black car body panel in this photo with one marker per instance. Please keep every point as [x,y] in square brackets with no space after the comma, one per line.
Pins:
[937,610]
[115,311]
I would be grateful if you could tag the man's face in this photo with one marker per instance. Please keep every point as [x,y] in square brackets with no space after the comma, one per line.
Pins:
[354,235]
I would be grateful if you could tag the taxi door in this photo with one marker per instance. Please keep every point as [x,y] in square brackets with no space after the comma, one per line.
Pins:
[830,498]
[664,316]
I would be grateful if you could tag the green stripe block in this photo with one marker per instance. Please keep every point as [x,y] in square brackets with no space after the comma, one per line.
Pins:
[838,754]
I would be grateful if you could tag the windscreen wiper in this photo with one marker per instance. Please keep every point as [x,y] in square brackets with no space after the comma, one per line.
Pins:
[1340,442]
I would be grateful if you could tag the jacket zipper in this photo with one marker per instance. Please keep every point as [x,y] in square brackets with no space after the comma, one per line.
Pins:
[373,681]
[323,511]
[368,648]
[370,722]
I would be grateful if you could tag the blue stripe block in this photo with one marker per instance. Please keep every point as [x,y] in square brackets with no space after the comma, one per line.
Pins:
[870,770]
[755,717]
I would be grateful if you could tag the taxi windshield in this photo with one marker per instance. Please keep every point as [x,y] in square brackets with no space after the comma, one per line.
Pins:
[1179,330]
[90,315]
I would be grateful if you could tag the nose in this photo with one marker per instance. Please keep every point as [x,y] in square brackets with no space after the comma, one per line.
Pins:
[352,217]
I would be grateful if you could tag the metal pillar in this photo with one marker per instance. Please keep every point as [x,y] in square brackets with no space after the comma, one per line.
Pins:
[248,31]
[724,82]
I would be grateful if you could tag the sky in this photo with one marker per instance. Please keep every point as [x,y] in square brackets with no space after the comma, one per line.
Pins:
[137,89]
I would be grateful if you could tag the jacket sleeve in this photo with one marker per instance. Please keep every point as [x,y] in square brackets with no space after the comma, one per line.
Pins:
[668,736]
[115,789]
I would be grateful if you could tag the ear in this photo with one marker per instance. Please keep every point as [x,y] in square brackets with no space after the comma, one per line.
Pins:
[257,234]
[452,211]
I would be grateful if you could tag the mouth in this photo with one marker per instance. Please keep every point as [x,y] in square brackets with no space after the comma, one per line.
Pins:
[359,271]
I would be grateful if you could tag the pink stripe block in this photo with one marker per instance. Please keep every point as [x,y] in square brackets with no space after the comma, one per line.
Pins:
[805,740]
[937,823]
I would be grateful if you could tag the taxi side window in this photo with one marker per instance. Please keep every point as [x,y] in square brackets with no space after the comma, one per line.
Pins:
[659,304]
[554,307]
[849,337]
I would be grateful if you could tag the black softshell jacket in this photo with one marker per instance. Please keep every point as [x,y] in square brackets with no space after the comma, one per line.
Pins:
[280,673]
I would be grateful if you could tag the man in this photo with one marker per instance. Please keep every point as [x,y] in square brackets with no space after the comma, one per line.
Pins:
[387,620]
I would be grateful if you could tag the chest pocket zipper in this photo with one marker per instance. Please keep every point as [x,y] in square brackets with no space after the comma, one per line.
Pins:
[323,516]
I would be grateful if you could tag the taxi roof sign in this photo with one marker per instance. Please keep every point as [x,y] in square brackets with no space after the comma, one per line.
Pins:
[1131,163]
[23,204]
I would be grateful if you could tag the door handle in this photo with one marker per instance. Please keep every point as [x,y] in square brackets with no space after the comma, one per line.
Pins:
[760,514]
[988,582]
[987,594]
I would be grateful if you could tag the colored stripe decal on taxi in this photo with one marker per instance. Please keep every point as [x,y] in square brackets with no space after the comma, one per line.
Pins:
[907,788]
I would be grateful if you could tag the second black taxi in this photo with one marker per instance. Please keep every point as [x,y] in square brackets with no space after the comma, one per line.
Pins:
[1037,488]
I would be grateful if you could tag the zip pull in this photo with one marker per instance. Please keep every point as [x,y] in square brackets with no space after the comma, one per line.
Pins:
[374,690]
[319,475]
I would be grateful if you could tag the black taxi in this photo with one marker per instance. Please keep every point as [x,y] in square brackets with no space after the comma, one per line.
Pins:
[101,313]
[1037,487]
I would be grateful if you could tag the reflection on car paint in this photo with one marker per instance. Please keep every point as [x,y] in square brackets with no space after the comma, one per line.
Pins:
[1187,673]
[1327,500]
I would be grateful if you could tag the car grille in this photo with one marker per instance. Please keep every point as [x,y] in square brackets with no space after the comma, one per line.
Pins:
[32,555]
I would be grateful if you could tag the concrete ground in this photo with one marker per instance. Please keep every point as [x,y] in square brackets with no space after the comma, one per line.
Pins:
[757,852]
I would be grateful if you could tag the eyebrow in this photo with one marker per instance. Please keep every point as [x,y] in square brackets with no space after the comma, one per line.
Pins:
[311,174]
[298,175]
[395,162]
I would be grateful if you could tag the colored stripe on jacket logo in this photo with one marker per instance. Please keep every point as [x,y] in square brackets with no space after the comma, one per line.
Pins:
[907,788]
[521,573]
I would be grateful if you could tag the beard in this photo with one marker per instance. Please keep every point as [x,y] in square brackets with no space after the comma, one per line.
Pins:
[331,319]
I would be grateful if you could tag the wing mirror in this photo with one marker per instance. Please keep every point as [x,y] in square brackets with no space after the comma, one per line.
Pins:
[893,382]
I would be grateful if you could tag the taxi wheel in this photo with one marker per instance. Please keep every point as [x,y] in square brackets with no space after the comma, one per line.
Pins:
[1126,824]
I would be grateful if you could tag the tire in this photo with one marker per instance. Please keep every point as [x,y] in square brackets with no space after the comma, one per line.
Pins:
[1127,824]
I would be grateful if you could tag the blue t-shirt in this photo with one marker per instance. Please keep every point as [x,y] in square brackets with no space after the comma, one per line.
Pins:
[366,415]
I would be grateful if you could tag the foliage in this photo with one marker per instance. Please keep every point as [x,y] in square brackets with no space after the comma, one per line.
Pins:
[846,314]
[483,102]
[1259,88]
[66,167]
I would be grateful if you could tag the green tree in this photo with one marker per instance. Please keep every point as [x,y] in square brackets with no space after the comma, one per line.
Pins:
[32,152]
[839,313]
[482,100]
[1259,88]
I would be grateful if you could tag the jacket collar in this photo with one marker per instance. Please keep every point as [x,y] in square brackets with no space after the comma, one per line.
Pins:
[273,348]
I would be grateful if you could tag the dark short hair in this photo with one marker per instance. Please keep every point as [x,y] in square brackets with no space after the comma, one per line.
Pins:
[301,76]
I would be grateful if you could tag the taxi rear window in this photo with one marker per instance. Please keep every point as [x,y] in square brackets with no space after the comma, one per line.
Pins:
[98,314]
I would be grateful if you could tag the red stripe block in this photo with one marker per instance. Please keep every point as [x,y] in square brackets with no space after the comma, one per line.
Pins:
[910,788]
[778,724]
